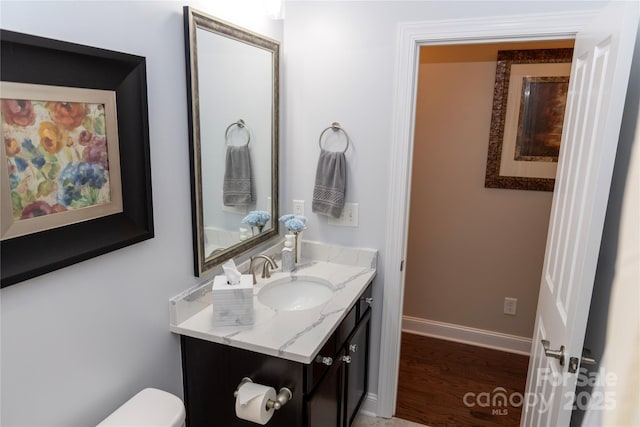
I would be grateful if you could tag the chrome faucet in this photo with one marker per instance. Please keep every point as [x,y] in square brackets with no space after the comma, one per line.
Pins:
[268,262]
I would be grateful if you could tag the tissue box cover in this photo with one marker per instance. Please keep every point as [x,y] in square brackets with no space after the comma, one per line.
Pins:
[232,304]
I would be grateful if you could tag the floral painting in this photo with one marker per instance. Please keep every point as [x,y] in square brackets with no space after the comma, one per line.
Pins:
[61,161]
[56,154]
[75,176]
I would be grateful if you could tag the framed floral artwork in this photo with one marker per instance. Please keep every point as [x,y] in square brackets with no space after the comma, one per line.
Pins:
[529,99]
[75,170]
[61,157]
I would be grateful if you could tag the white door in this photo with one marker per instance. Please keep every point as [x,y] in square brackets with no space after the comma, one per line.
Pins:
[598,84]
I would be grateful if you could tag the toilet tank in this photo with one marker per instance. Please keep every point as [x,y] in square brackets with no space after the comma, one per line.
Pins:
[150,407]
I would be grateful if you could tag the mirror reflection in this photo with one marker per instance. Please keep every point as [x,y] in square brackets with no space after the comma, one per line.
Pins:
[233,92]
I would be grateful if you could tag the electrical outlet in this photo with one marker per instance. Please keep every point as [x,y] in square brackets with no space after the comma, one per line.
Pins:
[349,217]
[510,306]
[298,207]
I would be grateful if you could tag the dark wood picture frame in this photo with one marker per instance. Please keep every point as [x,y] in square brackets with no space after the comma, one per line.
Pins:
[37,60]
[505,60]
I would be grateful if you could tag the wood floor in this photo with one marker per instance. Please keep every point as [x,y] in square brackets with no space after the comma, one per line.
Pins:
[435,375]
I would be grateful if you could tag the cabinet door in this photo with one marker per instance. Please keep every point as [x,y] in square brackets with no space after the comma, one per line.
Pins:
[324,407]
[212,372]
[357,368]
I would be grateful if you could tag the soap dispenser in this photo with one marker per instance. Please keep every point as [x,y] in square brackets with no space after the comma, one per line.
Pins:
[288,255]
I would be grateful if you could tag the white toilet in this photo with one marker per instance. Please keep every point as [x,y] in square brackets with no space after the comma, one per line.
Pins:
[151,408]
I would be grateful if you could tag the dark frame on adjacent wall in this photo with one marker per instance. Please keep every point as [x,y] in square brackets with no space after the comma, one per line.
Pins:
[37,60]
[507,58]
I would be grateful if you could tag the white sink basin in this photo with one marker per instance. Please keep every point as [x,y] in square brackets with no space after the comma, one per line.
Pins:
[296,293]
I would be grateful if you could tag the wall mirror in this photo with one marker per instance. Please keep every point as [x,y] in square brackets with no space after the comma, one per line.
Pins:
[232,89]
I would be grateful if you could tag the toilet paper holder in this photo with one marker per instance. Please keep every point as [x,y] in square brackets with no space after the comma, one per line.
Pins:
[283,396]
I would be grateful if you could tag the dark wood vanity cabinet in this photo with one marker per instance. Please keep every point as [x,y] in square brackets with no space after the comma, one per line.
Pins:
[357,370]
[337,398]
[326,393]
[324,406]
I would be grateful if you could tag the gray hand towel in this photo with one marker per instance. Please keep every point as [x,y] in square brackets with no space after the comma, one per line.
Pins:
[331,181]
[237,189]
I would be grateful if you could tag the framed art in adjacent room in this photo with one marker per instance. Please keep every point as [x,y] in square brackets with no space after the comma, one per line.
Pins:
[530,95]
[75,179]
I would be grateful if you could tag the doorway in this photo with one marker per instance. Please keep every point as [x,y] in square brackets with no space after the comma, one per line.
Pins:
[411,36]
[469,247]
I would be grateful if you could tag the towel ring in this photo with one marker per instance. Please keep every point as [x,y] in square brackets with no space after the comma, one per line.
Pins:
[335,126]
[241,124]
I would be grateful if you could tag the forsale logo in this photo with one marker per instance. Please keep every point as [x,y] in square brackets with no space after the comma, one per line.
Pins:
[600,397]
[500,401]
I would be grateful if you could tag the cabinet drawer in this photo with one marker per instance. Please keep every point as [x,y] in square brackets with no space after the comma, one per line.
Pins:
[321,363]
[363,305]
[346,327]
[324,405]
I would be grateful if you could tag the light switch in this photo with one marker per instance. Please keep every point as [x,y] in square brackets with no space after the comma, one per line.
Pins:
[349,217]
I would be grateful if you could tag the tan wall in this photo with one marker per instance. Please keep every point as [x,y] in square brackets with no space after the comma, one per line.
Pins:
[469,246]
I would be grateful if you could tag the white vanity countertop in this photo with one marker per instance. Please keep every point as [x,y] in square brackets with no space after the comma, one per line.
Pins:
[292,335]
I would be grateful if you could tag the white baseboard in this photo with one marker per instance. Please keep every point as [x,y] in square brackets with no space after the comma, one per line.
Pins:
[370,405]
[467,335]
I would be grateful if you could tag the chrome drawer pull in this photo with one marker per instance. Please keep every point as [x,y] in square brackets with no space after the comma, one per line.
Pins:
[353,348]
[324,360]
[346,359]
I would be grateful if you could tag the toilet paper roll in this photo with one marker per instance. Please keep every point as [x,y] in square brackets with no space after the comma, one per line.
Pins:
[251,403]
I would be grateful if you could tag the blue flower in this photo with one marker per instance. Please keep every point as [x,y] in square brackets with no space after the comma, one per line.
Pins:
[20,163]
[28,145]
[293,222]
[38,161]
[263,216]
[295,225]
[285,218]
[257,218]
[14,180]
[250,220]
[76,176]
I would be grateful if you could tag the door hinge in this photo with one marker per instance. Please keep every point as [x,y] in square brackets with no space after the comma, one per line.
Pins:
[402,265]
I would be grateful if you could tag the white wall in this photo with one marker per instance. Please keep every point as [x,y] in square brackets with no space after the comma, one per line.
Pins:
[239,88]
[339,64]
[78,342]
